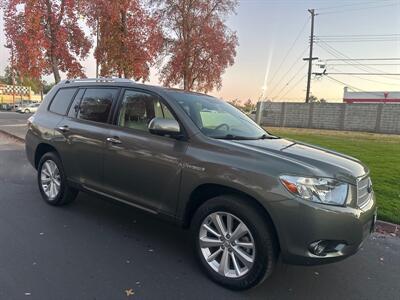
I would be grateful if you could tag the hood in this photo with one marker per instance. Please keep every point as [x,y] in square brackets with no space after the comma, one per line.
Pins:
[320,161]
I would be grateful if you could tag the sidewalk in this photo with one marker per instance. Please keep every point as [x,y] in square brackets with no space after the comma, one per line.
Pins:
[14,124]
[18,131]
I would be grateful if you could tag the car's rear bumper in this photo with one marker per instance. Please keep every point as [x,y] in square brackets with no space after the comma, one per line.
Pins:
[30,146]
[301,224]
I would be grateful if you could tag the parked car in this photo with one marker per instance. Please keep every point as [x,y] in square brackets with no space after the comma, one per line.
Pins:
[31,108]
[20,105]
[5,106]
[247,196]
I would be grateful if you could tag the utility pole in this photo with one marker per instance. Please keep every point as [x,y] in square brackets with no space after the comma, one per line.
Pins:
[97,45]
[310,58]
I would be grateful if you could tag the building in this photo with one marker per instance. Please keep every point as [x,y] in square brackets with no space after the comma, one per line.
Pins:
[20,93]
[370,97]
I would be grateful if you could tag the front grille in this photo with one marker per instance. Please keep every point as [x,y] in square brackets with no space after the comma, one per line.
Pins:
[363,191]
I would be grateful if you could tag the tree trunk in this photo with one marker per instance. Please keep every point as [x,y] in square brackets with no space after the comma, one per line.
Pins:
[56,71]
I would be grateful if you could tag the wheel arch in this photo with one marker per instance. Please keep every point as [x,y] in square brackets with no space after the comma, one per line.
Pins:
[41,150]
[207,191]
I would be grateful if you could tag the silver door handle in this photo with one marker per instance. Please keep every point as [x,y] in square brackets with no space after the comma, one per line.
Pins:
[64,128]
[113,140]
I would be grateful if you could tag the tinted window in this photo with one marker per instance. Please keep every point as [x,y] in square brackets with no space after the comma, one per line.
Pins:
[61,101]
[73,110]
[138,109]
[96,104]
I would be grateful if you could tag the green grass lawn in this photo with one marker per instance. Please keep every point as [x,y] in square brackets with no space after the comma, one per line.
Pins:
[380,152]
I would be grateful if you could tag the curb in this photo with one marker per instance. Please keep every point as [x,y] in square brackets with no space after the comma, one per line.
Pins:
[389,228]
[19,139]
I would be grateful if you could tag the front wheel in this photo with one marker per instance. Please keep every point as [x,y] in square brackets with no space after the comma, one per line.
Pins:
[235,244]
[27,111]
[52,181]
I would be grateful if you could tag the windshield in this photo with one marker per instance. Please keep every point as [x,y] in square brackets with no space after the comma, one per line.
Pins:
[218,119]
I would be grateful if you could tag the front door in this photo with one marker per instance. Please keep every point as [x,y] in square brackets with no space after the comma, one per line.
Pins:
[140,167]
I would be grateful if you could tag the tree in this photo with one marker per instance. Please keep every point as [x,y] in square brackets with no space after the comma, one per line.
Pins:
[45,37]
[249,106]
[33,83]
[199,44]
[130,37]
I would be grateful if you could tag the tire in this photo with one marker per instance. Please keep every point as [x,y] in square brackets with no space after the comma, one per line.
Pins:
[265,245]
[65,194]
[27,111]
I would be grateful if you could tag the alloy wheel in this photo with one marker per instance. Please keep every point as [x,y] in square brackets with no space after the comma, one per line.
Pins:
[227,244]
[50,179]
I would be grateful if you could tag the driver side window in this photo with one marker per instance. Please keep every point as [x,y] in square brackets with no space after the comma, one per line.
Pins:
[138,109]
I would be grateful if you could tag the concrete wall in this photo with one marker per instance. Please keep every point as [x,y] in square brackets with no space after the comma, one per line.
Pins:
[374,117]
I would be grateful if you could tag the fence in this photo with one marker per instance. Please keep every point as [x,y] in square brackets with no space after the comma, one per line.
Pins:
[371,117]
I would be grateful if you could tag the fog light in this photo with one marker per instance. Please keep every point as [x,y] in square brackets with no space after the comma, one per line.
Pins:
[317,248]
[323,247]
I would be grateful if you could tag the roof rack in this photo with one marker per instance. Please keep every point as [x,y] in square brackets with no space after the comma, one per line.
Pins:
[100,79]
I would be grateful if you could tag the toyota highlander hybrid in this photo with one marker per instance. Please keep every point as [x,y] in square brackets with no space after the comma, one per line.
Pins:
[246,195]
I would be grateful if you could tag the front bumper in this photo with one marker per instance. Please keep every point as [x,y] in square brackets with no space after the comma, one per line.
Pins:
[301,223]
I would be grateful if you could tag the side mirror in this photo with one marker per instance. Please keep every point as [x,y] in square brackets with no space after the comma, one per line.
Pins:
[162,126]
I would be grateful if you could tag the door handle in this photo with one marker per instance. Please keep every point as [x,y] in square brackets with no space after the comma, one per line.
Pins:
[113,140]
[64,128]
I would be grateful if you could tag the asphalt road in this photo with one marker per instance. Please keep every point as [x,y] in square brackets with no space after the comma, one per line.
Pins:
[14,123]
[98,249]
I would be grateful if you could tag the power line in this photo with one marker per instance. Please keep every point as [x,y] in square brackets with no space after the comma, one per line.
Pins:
[290,49]
[290,80]
[295,85]
[357,40]
[357,9]
[346,5]
[288,71]
[359,35]
[336,64]
[352,87]
[366,74]
[361,59]
[358,64]
[370,80]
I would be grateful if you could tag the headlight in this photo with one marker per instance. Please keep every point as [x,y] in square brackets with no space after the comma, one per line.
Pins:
[321,190]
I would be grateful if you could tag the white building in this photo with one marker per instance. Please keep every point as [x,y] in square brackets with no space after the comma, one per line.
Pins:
[370,97]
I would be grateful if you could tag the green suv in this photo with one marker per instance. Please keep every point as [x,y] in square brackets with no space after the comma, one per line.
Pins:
[247,196]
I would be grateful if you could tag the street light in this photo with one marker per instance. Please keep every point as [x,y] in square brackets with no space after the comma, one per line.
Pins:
[9,46]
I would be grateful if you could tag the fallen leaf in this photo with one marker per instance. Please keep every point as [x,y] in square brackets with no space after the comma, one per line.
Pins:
[129,292]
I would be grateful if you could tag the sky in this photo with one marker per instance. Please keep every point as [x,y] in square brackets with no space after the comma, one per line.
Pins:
[274,37]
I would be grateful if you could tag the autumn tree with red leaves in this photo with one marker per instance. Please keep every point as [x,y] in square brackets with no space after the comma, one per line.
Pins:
[200,45]
[130,37]
[46,37]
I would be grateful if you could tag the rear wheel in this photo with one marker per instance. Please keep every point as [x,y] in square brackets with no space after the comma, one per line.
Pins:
[235,244]
[52,181]
[27,111]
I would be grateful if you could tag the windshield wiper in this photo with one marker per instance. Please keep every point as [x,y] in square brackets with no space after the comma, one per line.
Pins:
[268,137]
[232,137]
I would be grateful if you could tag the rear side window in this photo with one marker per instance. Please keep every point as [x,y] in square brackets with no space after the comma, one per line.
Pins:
[96,104]
[74,108]
[61,101]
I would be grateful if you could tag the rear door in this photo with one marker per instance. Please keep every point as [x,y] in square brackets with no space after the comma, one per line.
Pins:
[140,167]
[85,129]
